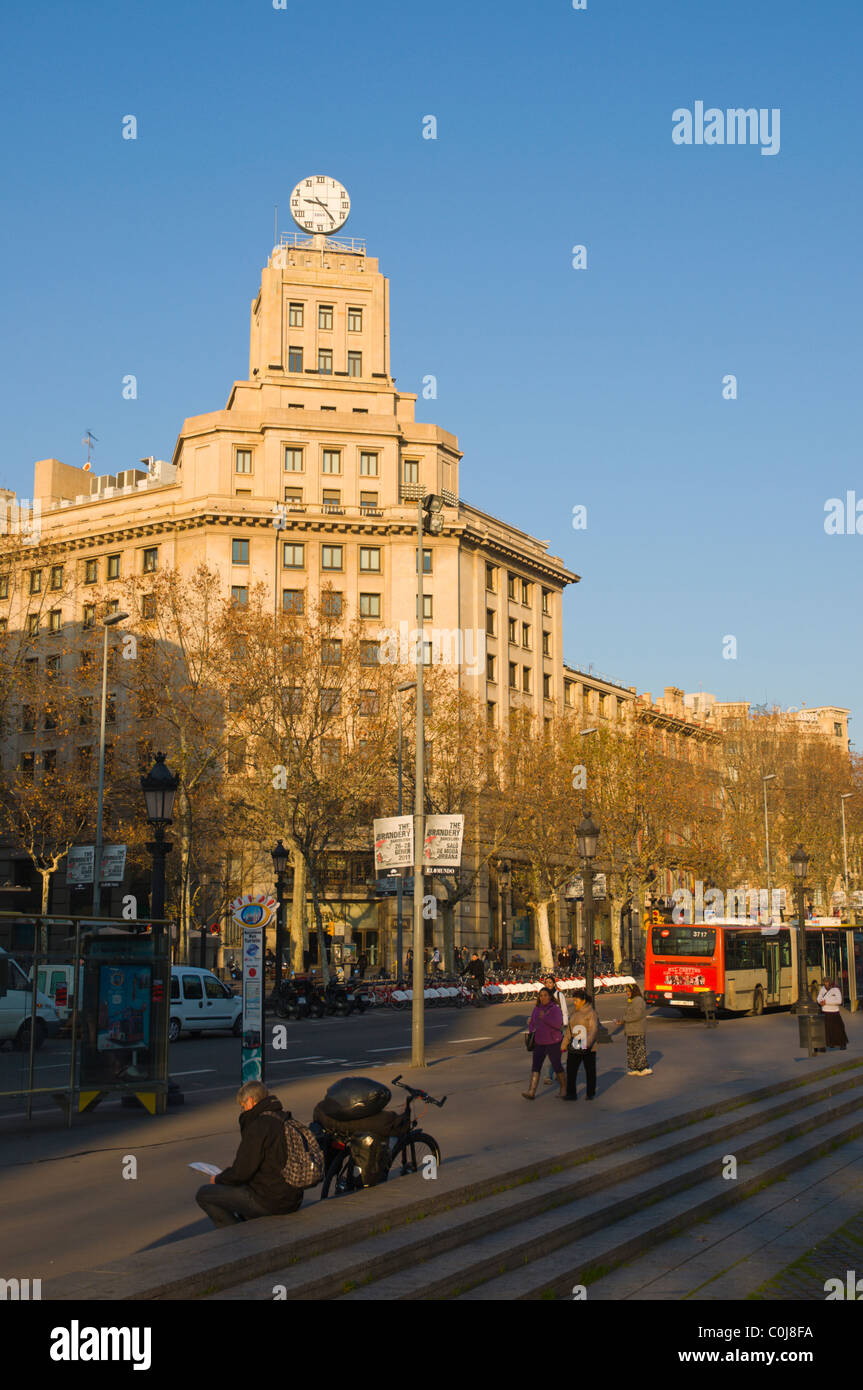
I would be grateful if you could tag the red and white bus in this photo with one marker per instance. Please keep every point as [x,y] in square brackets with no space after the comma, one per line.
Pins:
[747,967]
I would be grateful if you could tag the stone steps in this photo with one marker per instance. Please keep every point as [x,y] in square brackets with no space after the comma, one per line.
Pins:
[491,1228]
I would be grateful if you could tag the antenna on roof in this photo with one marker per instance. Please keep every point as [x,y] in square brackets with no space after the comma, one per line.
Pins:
[89,439]
[275,224]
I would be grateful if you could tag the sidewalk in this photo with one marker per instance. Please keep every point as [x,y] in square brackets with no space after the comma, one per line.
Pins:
[484,1130]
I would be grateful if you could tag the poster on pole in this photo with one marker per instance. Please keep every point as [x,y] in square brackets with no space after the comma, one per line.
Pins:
[79,865]
[394,843]
[253,913]
[113,864]
[443,842]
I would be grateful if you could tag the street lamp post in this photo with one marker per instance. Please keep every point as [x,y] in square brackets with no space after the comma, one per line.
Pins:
[280,857]
[770,777]
[400,689]
[110,621]
[504,886]
[159,788]
[842,799]
[810,1022]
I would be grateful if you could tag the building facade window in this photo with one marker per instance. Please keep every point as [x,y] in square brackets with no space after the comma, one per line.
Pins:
[295,358]
[546,644]
[332,604]
[243,461]
[368,464]
[150,560]
[325,361]
[526,592]
[293,601]
[525,679]
[410,471]
[239,552]
[55,620]
[567,693]
[491,668]
[491,578]
[512,587]
[331,499]
[368,501]
[332,461]
[370,605]
[331,651]
[239,595]
[546,687]
[369,653]
[325,317]
[331,557]
[32,624]
[427,561]
[546,601]
[355,320]
[56,577]
[295,316]
[490,622]
[525,635]
[91,571]
[370,559]
[512,631]
[113,567]
[293,459]
[355,364]
[293,557]
[513,676]
[294,496]
[4,586]
[148,606]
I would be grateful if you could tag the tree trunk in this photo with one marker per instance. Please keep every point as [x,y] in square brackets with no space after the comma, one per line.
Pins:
[615,903]
[319,924]
[546,954]
[299,927]
[46,888]
[448,937]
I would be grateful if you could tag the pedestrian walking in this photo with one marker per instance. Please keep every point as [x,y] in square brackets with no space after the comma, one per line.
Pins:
[475,971]
[546,1029]
[253,1185]
[363,965]
[410,964]
[579,1042]
[436,963]
[830,1001]
[560,1000]
[573,958]
[633,1026]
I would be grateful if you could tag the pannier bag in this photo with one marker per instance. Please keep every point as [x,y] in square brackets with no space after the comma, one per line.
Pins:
[355,1098]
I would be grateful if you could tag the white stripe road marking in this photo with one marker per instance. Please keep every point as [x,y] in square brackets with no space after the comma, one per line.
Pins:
[485,1039]
[403,1047]
[280,1061]
[199,1071]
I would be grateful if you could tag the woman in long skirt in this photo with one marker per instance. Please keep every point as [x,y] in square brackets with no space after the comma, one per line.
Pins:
[830,1000]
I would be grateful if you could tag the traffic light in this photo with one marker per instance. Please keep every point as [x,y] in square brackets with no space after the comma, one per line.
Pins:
[656,917]
[215,929]
[432,519]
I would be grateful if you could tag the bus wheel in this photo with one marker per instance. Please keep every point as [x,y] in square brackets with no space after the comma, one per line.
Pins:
[757,1003]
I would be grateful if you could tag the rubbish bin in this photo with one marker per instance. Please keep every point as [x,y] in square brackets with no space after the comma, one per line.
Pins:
[813,1033]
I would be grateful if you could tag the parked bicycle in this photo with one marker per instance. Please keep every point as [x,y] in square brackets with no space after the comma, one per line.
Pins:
[408,1152]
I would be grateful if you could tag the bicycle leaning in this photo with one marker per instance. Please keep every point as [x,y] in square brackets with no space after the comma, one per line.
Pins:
[410,1149]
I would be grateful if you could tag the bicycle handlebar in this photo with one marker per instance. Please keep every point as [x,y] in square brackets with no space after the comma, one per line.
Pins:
[415,1094]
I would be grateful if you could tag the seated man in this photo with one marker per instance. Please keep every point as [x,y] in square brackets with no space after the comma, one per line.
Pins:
[253,1185]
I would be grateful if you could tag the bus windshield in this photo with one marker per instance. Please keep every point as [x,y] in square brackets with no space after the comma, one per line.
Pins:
[683,941]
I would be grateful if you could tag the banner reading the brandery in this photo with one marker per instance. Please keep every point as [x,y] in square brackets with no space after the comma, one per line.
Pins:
[394,842]
[443,840]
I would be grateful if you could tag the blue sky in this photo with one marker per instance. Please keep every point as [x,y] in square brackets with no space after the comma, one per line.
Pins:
[600,387]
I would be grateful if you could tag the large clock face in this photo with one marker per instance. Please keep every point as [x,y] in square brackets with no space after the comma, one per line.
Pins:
[320,204]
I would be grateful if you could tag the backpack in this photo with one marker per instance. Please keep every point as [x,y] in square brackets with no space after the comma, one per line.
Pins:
[304,1159]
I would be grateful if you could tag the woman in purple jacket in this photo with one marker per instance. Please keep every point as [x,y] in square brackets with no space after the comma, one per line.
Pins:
[546,1025]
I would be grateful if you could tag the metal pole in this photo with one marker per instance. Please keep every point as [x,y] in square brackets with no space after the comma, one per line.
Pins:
[97,849]
[845,859]
[418,1011]
[280,929]
[399,883]
[767,849]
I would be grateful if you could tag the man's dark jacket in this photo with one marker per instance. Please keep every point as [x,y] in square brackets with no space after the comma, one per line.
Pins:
[261,1157]
[476,969]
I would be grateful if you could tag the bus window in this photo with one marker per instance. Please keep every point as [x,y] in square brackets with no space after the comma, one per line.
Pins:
[813,948]
[784,948]
[683,941]
[744,950]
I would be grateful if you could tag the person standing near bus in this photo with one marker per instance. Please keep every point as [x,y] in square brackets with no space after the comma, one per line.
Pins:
[830,1001]
[633,1026]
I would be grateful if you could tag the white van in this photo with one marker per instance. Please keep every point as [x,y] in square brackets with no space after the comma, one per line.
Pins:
[57,981]
[16,1006]
[200,1003]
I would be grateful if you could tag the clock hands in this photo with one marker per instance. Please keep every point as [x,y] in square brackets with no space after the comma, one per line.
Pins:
[322,205]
